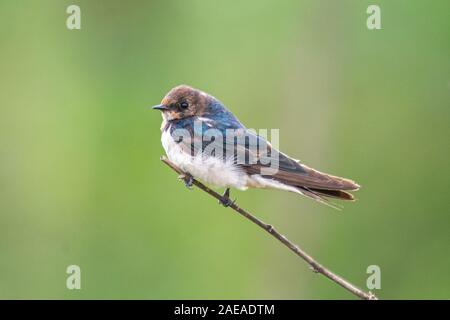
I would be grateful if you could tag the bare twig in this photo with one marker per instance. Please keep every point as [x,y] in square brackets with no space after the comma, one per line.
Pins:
[315,266]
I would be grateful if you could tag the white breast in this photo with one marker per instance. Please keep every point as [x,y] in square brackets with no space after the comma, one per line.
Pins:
[209,169]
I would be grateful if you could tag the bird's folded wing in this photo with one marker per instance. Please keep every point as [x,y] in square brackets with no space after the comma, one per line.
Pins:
[254,155]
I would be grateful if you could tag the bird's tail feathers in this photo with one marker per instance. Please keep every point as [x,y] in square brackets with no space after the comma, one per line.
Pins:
[323,196]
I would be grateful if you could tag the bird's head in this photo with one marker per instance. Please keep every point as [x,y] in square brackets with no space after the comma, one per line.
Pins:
[183,102]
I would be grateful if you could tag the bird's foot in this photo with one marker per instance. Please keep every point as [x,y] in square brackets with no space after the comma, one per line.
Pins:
[187,179]
[226,201]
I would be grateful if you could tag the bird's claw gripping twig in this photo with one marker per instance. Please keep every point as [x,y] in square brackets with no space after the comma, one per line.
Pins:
[187,179]
[226,201]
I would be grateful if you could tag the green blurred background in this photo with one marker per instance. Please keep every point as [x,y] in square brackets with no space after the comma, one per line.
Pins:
[80,176]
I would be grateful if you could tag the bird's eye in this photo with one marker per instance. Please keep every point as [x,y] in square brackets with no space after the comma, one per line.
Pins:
[184,105]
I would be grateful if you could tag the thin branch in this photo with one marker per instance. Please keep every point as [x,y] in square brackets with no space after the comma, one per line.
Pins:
[315,266]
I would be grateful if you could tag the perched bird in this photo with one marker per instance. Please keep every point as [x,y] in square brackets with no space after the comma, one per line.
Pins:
[204,139]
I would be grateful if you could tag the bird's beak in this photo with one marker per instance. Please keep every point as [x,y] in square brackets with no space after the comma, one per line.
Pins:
[160,107]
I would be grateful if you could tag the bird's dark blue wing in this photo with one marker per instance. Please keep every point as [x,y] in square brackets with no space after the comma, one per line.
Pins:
[230,141]
[227,139]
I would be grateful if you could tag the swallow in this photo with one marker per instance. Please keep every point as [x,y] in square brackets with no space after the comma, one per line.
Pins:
[204,139]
